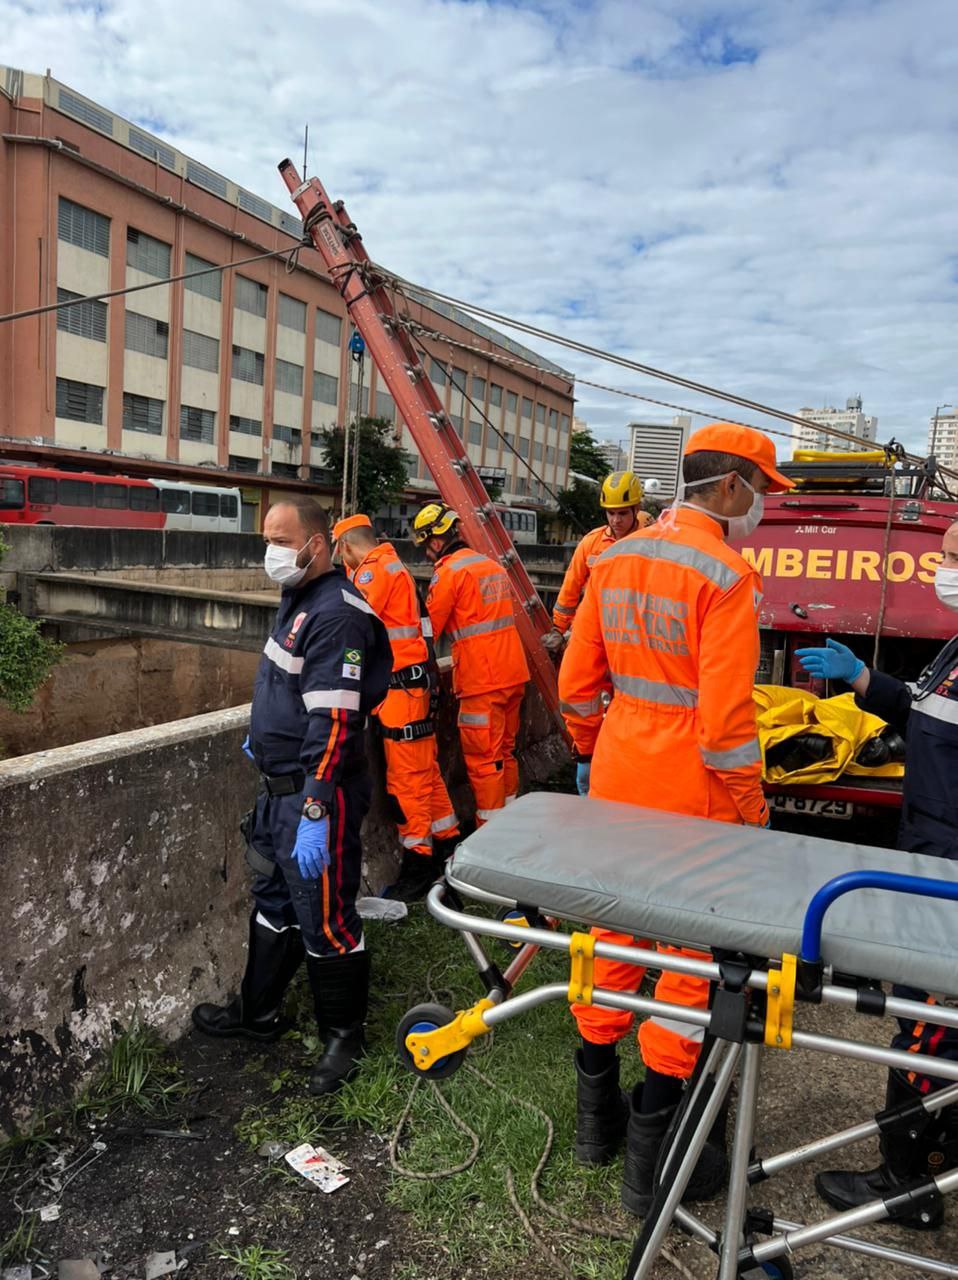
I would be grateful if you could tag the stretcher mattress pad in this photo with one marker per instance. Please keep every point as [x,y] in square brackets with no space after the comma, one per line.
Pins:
[710,884]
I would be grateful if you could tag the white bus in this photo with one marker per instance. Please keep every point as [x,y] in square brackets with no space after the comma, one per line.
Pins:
[207,508]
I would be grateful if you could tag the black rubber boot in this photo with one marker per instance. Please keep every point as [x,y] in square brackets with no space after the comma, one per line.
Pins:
[341,995]
[927,1146]
[601,1114]
[417,874]
[271,963]
[645,1137]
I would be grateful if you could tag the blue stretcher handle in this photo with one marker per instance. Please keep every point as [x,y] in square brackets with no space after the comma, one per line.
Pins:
[891,880]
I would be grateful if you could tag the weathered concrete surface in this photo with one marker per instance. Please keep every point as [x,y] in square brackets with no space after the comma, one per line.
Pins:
[114,684]
[125,885]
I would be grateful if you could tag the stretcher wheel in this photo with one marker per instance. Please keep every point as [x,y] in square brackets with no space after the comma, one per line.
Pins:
[427,1017]
[511,915]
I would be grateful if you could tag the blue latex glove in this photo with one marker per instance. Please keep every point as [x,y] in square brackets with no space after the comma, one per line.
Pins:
[246,747]
[582,771]
[311,849]
[834,662]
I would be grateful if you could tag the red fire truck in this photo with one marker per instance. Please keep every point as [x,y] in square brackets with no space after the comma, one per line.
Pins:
[850,554]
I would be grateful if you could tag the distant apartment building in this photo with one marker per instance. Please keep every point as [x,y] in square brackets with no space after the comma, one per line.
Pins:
[943,438]
[236,372]
[616,455]
[655,452]
[813,434]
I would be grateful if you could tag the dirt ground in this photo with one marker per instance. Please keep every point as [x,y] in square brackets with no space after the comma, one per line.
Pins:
[200,1196]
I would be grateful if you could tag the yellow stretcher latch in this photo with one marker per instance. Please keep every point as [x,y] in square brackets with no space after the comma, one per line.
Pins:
[426,1048]
[582,953]
[780,1004]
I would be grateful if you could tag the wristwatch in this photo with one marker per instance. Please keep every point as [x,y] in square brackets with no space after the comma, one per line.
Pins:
[314,809]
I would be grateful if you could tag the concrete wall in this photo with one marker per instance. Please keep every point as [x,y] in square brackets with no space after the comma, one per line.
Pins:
[125,886]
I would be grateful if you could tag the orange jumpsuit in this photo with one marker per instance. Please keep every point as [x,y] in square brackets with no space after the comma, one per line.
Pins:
[470,599]
[413,780]
[577,574]
[669,618]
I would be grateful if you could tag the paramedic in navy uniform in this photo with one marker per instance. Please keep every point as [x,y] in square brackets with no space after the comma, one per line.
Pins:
[324,668]
[926,714]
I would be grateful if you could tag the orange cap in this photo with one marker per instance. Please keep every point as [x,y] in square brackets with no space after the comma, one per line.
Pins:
[743,442]
[350,522]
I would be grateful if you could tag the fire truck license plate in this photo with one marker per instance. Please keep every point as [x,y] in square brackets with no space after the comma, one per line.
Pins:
[820,808]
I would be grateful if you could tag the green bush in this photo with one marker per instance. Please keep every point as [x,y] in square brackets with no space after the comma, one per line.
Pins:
[26,656]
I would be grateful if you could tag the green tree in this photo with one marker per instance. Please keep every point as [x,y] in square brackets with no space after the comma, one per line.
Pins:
[26,656]
[585,456]
[579,507]
[383,469]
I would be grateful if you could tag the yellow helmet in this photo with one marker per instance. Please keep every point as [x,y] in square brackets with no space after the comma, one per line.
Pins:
[619,490]
[433,521]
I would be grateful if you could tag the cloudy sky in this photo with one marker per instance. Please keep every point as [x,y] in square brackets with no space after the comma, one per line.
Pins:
[757,194]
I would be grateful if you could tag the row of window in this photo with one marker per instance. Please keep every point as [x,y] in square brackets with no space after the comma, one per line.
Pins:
[46,491]
[440,375]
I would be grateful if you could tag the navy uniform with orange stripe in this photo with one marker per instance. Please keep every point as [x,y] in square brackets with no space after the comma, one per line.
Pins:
[325,667]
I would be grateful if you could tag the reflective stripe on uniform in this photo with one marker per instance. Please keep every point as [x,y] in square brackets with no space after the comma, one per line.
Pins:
[425,623]
[734,757]
[670,695]
[282,659]
[394,566]
[937,707]
[486,814]
[483,628]
[346,699]
[461,564]
[402,633]
[561,608]
[413,842]
[443,824]
[358,603]
[683,1029]
[474,717]
[676,553]
[590,708]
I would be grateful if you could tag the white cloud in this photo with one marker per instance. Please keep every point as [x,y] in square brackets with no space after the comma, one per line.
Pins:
[755,195]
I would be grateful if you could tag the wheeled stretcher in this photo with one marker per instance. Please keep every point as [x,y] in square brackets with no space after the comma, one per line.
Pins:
[788,920]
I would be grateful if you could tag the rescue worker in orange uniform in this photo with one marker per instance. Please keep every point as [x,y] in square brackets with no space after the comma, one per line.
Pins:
[620,497]
[424,814]
[470,599]
[669,621]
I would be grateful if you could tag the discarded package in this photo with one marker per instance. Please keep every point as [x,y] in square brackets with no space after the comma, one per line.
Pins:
[318,1166]
[77,1269]
[49,1213]
[386,909]
[161,1264]
[272,1149]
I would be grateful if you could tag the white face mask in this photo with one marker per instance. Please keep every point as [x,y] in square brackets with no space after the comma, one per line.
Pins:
[946,586]
[280,565]
[737,526]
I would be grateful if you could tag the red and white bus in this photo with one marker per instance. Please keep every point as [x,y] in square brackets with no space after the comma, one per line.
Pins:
[44,495]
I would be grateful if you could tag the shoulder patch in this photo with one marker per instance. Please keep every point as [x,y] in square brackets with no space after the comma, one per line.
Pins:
[364,577]
[434,579]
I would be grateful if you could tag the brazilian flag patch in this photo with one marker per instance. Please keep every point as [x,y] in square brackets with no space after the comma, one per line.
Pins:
[352,655]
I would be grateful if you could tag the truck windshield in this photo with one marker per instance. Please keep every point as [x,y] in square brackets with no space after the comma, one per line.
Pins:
[11,493]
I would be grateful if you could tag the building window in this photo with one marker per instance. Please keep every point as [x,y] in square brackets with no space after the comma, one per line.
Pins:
[142,413]
[291,313]
[385,406]
[459,379]
[475,433]
[495,395]
[328,327]
[211,285]
[145,334]
[512,402]
[564,423]
[288,435]
[541,413]
[316,439]
[479,389]
[82,227]
[79,401]
[249,295]
[562,457]
[85,319]
[437,372]
[197,424]
[248,365]
[536,451]
[288,469]
[246,426]
[553,419]
[201,351]
[526,408]
[236,463]
[145,254]
[289,377]
[510,438]
[325,388]
[550,453]
[523,447]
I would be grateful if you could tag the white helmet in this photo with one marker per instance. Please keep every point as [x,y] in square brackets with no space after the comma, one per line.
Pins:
[652,485]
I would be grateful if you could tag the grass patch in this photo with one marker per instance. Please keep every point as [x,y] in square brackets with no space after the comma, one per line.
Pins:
[15,1249]
[255,1262]
[468,1215]
[140,1072]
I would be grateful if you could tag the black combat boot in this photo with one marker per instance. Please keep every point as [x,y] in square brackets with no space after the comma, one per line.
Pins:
[601,1114]
[925,1146]
[645,1136]
[417,875]
[341,995]
[271,963]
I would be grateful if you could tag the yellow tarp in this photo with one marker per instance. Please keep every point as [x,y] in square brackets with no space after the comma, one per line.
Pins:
[784,713]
